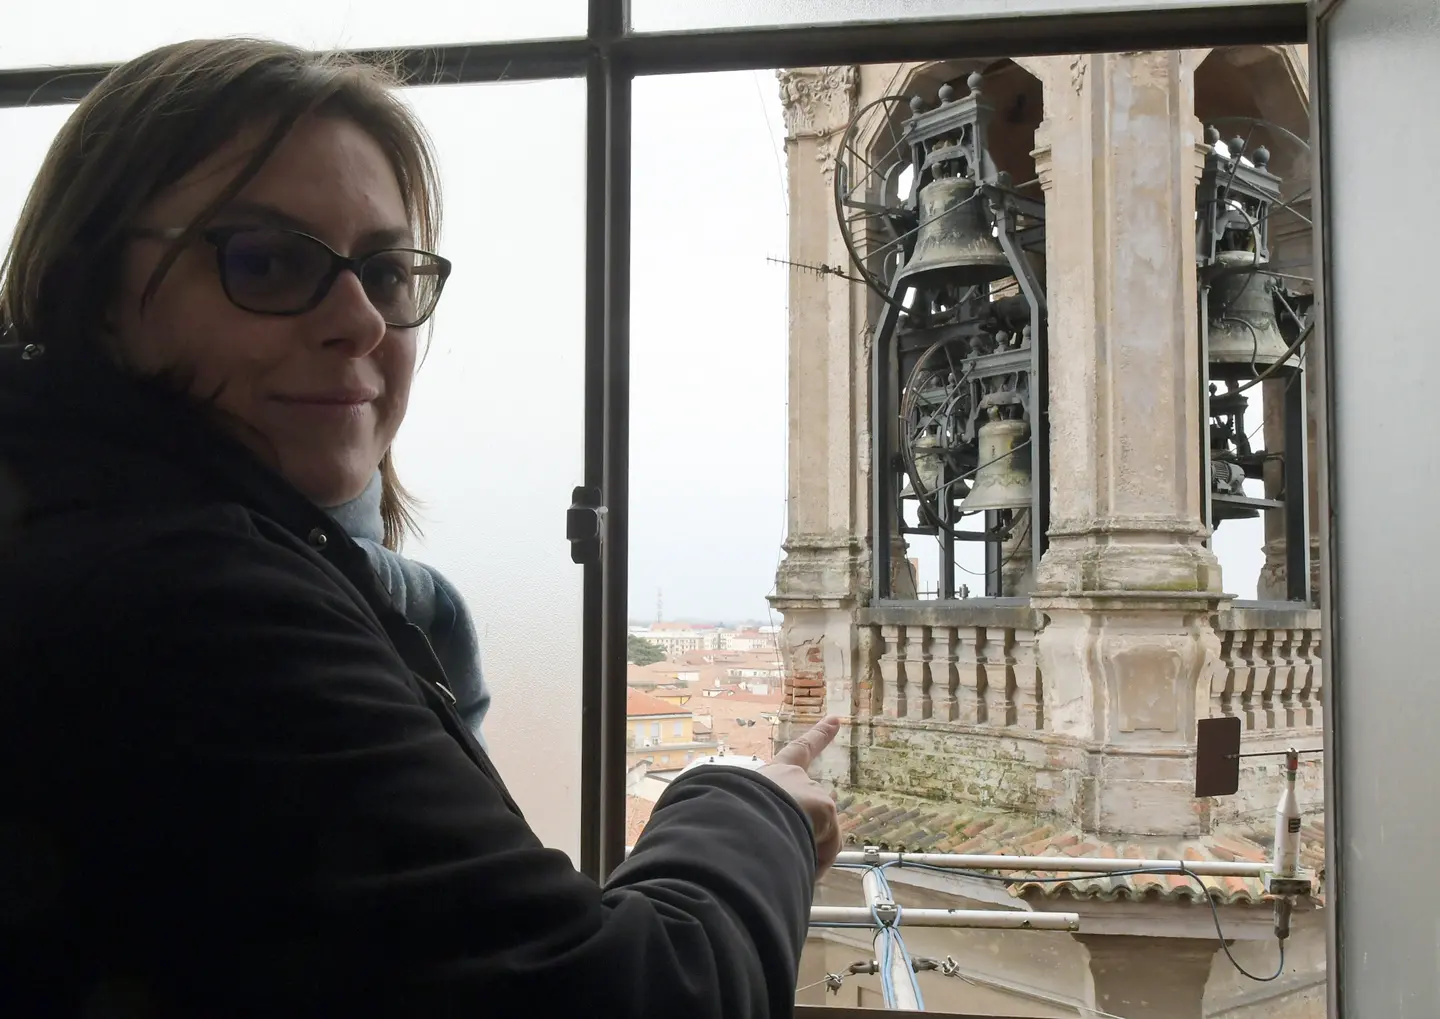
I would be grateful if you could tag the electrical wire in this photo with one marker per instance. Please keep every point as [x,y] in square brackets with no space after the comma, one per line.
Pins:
[775,147]
[1153,871]
[1289,351]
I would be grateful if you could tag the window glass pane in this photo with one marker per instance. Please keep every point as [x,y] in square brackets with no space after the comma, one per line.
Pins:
[492,442]
[27,132]
[990,706]
[690,15]
[98,31]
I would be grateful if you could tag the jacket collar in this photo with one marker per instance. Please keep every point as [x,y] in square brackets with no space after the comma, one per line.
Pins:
[81,433]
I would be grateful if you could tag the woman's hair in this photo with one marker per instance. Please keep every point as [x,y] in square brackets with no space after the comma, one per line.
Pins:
[149,123]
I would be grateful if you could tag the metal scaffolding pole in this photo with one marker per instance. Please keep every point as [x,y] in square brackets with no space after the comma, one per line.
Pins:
[988,919]
[1052,864]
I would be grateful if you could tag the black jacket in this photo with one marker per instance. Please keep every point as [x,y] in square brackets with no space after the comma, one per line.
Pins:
[231,783]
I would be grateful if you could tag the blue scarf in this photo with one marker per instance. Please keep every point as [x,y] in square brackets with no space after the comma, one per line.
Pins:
[427,599]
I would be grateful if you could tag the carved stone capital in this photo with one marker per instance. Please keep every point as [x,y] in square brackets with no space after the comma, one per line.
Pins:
[1071,567]
[821,570]
[817,100]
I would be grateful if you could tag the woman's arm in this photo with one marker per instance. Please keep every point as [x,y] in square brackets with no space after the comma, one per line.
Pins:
[311,838]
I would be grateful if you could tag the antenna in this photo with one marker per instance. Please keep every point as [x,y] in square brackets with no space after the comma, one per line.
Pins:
[818,270]
[659,605]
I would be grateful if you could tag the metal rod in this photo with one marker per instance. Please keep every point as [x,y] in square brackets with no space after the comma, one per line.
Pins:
[989,919]
[1052,864]
[904,39]
[882,401]
[1296,481]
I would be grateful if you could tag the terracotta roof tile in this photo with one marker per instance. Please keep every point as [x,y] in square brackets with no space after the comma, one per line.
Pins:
[895,822]
[641,704]
[637,815]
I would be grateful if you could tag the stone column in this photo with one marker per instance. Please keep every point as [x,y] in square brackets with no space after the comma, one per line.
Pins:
[1149,978]
[825,572]
[1127,583]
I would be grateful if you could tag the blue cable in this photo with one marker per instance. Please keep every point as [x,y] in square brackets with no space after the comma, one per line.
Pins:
[890,939]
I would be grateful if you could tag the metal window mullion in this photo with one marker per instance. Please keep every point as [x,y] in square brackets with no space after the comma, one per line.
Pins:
[592,706]
[607,440]
[1327,471]
[616,486]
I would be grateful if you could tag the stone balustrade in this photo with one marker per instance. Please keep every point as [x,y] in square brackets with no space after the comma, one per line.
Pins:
[976,665]
[1269,673]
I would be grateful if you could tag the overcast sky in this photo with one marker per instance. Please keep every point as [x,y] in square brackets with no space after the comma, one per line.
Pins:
[493,441]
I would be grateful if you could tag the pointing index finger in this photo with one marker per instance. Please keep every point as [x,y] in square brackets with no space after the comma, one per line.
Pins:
[803,750]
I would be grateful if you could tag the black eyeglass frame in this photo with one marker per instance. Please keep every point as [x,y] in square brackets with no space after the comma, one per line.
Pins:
[218,237]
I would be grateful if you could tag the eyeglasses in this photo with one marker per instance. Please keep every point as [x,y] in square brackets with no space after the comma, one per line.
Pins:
[274,271]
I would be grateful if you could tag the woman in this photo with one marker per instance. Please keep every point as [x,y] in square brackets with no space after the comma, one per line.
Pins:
[233,781]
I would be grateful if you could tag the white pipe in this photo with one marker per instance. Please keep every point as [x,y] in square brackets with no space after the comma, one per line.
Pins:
[1052,864]
[992,919]
[1055,864]
[874,897]
[901,977]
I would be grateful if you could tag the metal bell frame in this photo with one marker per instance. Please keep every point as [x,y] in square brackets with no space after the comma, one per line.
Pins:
[1248,328]
[962,223]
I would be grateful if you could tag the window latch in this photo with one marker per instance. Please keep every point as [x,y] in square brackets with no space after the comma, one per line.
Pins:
[585,524]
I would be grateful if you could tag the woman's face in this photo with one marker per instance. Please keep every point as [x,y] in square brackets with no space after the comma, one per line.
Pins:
[321,393]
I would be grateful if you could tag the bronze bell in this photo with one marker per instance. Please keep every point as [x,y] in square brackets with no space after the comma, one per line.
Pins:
[1002,480]
[929,459]
[1244,335]
[954,245]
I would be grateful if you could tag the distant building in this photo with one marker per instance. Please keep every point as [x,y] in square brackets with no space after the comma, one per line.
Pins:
[675,642]
[748,640]
[659,732]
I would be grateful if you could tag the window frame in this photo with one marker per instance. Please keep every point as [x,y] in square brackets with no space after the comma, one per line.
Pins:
[609,58]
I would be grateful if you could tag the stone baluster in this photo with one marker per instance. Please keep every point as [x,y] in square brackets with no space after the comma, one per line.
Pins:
[944,674]
[917,679]
[1245,677]
[1222,676]
[1269,678]
[1305,675]
[1029,711]
[968,674]
[990,672]
[892,672]
[1285,687]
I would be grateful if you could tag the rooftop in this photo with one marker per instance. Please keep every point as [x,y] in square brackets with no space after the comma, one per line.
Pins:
[637,815]
[726,713]
[639,704]
[905,824]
